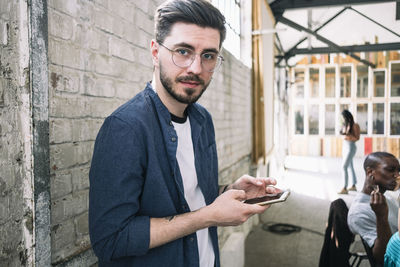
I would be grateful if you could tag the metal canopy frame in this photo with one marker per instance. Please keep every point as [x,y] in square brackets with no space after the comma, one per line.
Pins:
[278,7]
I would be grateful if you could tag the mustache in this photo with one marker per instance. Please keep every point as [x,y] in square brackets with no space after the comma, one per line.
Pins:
[192,78]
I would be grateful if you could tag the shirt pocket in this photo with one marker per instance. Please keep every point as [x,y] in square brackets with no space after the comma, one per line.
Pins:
[208,179]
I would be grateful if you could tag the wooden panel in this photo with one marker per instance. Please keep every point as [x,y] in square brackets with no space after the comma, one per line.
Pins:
[338,146]
[393,146]
[378,144]
[381,60]
[394,55]
[367,145]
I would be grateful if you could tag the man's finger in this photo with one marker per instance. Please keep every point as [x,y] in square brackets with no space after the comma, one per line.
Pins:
[238,194]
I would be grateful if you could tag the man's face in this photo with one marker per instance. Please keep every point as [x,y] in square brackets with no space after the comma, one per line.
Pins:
[186,84]
[387,172]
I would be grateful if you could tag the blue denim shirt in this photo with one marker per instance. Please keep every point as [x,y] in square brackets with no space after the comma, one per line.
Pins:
[135,176]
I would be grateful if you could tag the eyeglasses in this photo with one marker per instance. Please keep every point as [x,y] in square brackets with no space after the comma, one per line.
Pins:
[184,57]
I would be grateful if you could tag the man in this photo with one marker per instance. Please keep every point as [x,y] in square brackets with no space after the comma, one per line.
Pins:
[372,215]
[154,195]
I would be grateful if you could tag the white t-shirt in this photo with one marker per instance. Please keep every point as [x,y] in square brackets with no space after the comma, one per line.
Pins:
[362,219]
[193,195]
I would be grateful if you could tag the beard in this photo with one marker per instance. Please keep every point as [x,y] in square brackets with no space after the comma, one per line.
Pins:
[189,96]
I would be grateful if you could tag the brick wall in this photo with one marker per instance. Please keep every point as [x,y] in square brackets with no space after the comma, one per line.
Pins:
[98,59]
[15,146]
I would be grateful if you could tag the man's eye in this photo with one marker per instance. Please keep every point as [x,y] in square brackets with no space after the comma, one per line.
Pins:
[209,56]
[183,52]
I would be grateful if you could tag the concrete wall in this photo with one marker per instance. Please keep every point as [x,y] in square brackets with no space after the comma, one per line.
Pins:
[98,59]
[16,237]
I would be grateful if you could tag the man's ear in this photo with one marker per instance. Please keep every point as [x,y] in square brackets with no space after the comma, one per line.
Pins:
[154,52]
[369,171]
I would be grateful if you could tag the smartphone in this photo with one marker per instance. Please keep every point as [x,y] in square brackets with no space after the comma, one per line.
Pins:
[269,198]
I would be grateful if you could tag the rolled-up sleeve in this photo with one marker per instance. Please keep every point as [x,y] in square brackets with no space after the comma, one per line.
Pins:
[116,227]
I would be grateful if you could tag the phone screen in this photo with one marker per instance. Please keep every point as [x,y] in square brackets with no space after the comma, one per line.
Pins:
[268,197]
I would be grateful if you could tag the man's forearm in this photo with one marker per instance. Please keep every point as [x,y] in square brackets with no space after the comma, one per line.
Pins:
[164,230]
[383,235]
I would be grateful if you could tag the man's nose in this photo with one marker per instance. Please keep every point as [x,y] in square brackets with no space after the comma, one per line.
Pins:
[196,67]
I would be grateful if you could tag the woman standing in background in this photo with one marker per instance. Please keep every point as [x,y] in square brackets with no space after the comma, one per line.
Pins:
[351,132]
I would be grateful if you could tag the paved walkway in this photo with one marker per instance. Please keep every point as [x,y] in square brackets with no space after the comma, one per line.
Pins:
[314,183]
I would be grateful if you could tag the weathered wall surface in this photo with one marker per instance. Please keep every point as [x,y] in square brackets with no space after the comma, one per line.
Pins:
[16,236]
[99,58]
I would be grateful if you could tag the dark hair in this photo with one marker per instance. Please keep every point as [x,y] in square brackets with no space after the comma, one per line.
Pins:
[374,159]
[348,119]
[199,12]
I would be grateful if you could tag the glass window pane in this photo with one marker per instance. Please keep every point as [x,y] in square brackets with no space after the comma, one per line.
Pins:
[314,82]
[330,119]
[378,117]
[299,80]
[299,119]
[379,83]
[395,118]
[362,117]
[395,80]
[344,106]
[362,81]
[345,81]
[330,82]
[313,119]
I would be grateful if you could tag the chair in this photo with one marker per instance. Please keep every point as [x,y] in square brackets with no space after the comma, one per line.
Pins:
[338,238]
[357,257]
[368,250]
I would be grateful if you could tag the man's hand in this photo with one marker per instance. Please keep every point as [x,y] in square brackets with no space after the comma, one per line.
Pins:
[229,210]
[255,187]
[380,207]
[378,204]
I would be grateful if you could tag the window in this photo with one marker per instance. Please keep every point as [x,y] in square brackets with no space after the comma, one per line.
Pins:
[362,81]
[344,106]
[375,105]
[313,119]
[299,119]
[330,119]
[378,118]
[395,79]
[345,81]
[379,83]
[231,11]
[395,118]
[330,82]
[299,80]
[314,82]
[362,117]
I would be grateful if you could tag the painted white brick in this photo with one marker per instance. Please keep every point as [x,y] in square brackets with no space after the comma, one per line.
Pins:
[144,22]
[61,185]
[122,49]
[98,86]
[67,155]
[63,54]
[61,26]
[70,7]
[80,178]
[64,80]
[123,9]
[67,207]
[61,234]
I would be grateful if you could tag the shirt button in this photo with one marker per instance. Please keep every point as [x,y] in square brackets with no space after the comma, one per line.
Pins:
[173,139]
[170,123]
[191,239]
